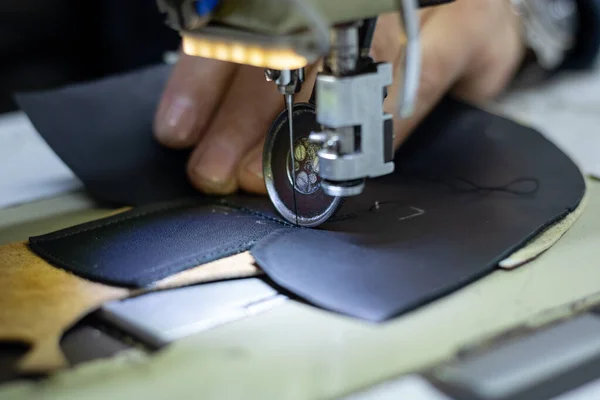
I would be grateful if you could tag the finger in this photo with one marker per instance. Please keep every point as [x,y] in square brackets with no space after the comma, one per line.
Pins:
[192,94]
[242,120]
[444,52]
[250,174]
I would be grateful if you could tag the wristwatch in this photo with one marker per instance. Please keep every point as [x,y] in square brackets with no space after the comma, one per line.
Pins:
[549,28]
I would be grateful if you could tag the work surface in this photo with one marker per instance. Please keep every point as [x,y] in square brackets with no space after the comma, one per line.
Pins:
[296,351]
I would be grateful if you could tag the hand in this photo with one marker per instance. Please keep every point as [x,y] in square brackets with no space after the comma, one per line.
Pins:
[471,48]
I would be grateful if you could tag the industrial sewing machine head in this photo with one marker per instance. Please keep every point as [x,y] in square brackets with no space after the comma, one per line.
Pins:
[315,154]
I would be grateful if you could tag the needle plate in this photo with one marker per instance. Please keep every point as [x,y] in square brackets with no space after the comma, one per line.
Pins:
[313,204]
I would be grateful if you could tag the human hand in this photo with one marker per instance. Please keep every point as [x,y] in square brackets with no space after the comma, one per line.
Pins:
[223,111]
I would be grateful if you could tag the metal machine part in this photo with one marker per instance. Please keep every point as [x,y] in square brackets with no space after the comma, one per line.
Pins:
[289,83]
[223,42]
[292,175]
[160,318]
[526,363]
[289,105]
[261,33]
[275,18]
[355,136]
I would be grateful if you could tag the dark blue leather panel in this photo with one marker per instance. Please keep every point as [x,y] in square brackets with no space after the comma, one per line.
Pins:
[101,130]
[442,220]
[142,246]
[445,218]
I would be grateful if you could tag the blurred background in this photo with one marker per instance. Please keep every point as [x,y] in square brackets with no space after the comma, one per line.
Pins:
[49,43]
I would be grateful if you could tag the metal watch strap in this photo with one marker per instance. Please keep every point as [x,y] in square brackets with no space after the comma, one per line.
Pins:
[549,28]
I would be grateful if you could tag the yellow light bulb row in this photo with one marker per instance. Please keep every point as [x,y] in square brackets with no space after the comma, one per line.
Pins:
[240,53]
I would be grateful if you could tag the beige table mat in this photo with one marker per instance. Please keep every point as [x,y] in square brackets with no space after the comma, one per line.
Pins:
[296,351]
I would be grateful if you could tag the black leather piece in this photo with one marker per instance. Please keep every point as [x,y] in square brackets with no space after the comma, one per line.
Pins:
[96,129]
[142,246]
[432,232]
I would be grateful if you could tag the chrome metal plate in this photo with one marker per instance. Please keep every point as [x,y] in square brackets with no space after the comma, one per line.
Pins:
[313,204]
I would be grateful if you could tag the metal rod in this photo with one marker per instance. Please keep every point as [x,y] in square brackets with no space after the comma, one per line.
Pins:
[289,104]
[407,96]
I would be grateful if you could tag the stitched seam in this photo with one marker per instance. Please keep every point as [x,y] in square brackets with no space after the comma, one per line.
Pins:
[256,213]
[156,211]
[198,258]
[112,222]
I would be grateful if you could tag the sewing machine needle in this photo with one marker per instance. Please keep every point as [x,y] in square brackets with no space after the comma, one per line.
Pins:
[289,104]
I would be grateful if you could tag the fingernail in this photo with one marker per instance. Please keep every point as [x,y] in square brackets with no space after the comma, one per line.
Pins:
[175,120]
[255,167]
[214,171]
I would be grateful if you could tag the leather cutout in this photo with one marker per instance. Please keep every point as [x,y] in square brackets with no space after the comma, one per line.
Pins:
[39,303]
[147,244]
[469,189]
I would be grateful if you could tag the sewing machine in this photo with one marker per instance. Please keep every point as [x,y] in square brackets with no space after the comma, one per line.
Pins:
[344,136]
[305,351]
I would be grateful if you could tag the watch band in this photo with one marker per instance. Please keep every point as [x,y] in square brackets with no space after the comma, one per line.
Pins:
[549,31]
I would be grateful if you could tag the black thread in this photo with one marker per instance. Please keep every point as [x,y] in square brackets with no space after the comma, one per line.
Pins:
[463,185]
[460,185]
[251,211]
